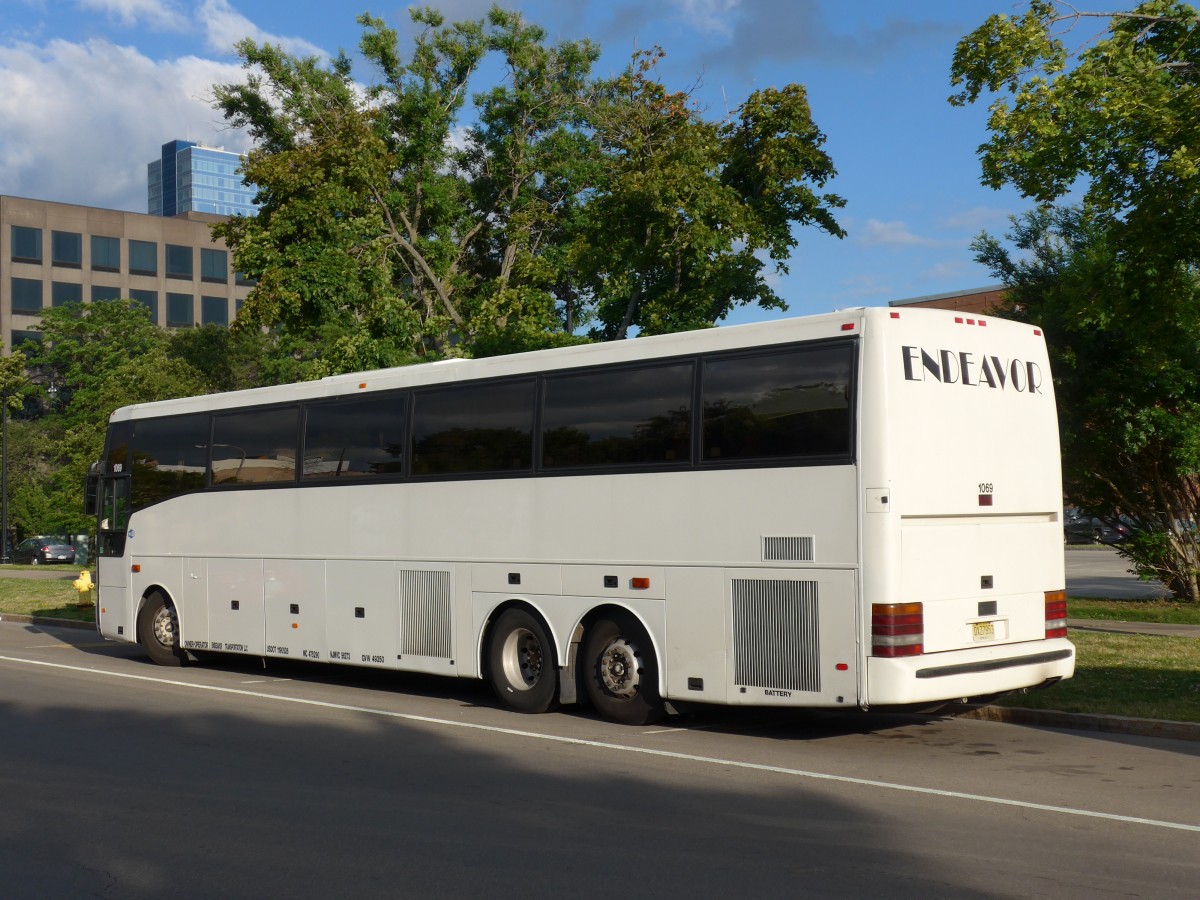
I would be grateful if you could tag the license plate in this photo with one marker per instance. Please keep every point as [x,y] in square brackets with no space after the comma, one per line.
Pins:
[984,631]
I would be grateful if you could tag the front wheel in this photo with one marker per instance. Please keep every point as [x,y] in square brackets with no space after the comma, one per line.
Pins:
[622,673]
[158,631]
[521,663]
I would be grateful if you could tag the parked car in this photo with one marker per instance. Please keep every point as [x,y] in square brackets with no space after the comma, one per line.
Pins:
[36,551]
[1080,527]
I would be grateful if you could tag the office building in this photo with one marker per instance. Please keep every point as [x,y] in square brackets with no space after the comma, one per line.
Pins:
[189,177]
[55,253]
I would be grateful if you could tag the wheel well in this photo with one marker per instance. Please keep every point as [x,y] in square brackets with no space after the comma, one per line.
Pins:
[137,613]
[486,636]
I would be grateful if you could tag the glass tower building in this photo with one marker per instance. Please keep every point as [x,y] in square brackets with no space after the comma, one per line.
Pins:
[189,177]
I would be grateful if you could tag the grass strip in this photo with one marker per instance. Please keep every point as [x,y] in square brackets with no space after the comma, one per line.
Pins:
[56,599]
[1144,676]
[1164,611]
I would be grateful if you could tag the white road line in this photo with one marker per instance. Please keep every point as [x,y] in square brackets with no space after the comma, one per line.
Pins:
[621,748]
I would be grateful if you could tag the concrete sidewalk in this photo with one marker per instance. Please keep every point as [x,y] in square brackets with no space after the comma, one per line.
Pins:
[1116,627]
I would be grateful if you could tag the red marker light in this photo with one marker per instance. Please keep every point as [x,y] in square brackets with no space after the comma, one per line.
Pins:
[848,326]
[640,584]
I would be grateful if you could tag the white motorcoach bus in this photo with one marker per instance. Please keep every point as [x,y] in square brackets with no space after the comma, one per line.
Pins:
[859,509]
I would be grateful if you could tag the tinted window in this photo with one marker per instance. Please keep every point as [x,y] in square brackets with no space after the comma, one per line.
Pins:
[61,292]
[621,417]
[783,404]
[66,249]
[143,257]
[179,262]
[168,456]
[474,428]
[214,265]
[19,337]
[255,447]
[106,253]
[214,311]
[26,244]
[179,310]
[105,292]
[353,438]
[26,295]
[148,299]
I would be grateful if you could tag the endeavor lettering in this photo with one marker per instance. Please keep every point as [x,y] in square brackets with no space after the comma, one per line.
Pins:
[972,370]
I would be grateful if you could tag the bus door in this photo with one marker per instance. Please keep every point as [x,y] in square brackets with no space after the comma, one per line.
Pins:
[112,572]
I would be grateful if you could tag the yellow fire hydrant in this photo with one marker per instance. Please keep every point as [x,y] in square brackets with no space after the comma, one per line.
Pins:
[83,584]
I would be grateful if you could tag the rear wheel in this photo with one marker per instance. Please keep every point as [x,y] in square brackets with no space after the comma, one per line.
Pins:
[158,631]
[34,561]
[622,673]
[521,663]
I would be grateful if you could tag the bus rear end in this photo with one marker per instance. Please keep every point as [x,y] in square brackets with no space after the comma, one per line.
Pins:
[963,573]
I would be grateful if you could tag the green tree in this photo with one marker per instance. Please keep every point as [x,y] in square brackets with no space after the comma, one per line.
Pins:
[1128,392]
[1118,116]
[1114,282]
[396,233]
[97,357]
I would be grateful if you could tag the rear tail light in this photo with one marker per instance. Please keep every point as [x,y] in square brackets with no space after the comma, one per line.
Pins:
[1056,614]
[897,629]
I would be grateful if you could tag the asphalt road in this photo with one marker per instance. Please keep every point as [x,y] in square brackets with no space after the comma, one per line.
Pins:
[1101,572]
[118,778]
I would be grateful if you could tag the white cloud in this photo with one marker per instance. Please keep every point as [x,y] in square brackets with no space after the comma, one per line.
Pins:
[875,233]
[977,218]
[79,122]
[708,15]
[224,26]
[160,14]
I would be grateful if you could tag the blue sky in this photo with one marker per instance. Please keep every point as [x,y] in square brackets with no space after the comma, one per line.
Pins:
[92,88]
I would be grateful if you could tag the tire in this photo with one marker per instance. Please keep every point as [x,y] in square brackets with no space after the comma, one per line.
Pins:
[35,561]
[621,673]
[521,664]
[158,631]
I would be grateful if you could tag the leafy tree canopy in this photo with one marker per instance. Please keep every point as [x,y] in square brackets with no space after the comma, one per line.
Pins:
[409,224]
[1113,280]
[1116,113]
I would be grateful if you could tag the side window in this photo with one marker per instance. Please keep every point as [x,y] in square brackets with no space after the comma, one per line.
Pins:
[106,253]
[26,244]
[355,438]
[787,404]
[632,416]
[66,249]
[255,446]
[474,428]
[143,257]
[168,457]
[179,262]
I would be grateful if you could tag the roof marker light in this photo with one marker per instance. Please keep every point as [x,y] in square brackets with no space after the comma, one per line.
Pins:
[847,326]
[1038,332]
[895,315]
[361,385]
[958,320]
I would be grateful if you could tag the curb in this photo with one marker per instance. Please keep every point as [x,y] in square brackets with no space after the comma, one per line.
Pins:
[1159,728]
[46,621]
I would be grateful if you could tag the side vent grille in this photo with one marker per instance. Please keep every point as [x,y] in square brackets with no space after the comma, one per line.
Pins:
[425,613]
[787,549]
[775,640]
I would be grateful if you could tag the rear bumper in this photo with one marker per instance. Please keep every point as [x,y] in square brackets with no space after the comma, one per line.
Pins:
[968,673]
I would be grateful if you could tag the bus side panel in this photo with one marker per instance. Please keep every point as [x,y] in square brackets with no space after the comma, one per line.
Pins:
[362,616]
[696,636]
[295,608]
[793,637]
[236,608]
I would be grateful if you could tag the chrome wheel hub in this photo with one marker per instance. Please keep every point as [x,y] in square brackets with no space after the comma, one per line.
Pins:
[523,659]
[620,669]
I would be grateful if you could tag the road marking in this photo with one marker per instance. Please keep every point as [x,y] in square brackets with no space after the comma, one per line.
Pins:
[66,646]
[622,748]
